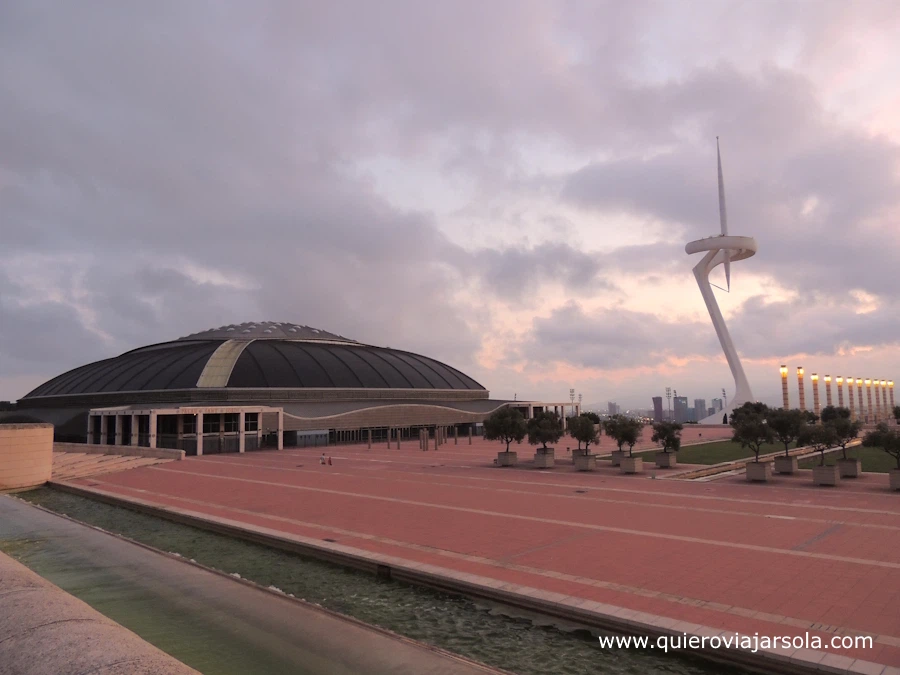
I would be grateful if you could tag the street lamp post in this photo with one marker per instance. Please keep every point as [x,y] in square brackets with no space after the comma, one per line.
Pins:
[784,389]
[572,399]
[862,411]
[828,390]
[840,384]
[800,388]
[871,412]
[815,385]
[669,403]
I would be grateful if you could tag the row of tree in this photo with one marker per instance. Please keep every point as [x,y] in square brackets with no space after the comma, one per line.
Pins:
[508,425]
[756,425]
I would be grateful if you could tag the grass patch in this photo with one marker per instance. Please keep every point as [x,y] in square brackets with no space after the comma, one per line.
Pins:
[875,460]
[713,453]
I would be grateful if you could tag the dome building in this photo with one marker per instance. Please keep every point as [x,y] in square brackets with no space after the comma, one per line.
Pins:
[251,385]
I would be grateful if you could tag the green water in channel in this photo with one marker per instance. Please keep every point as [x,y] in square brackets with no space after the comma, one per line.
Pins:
[457,624]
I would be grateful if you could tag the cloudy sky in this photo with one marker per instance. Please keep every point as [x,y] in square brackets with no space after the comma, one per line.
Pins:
[506,185]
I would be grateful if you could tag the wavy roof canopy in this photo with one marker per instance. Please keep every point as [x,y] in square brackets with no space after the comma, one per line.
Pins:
[268,356]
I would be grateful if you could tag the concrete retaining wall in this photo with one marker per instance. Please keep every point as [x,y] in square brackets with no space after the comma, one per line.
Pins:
[44,630]
[26,455]
[124,450]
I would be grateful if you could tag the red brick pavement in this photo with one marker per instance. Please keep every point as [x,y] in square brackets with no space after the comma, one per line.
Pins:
[778,559]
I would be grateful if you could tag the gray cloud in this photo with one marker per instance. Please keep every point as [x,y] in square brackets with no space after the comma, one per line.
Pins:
[147,145]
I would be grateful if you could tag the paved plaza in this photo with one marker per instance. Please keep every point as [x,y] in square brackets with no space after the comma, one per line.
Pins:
[775,559]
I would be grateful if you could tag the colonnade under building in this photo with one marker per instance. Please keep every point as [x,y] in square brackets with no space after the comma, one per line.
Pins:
[877,406]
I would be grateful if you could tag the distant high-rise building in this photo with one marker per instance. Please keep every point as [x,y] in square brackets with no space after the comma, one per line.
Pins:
[613,408]
[681,409]
[699,409]
[717,404]
[657,409]
[710,412]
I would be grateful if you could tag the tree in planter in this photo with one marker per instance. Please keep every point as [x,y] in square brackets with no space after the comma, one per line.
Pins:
[845,429]
[819,437]
[594,417]
[582,429]
[668,435]
[786,425]
[884,438]
[506,425]
[624,431]
[751,428]
[546,427]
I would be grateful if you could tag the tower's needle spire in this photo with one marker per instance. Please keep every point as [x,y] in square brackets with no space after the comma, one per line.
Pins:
[723,217]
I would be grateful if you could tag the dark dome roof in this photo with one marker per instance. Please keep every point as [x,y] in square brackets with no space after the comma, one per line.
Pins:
[270,355]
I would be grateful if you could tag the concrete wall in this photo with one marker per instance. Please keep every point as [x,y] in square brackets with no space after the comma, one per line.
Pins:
[26,455]
[123,450]
[43,629]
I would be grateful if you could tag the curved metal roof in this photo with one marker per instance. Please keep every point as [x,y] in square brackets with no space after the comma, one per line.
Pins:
[273,361]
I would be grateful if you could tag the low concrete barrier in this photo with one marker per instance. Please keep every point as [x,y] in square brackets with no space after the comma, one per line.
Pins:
[124,450]
[44,631]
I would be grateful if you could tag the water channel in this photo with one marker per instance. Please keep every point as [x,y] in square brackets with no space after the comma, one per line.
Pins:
[456,624]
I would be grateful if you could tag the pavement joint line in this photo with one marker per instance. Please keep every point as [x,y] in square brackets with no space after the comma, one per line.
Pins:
[554,521]
[541,478]
[589,496]
[613,586]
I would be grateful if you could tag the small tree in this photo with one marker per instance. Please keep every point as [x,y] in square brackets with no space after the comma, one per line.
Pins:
[668,435]
[624,431]
[786,425]
[594,417]
[750,427]
[819,437]
[845,429]
[582,429]
[506,425]
[545,427]
[884,438]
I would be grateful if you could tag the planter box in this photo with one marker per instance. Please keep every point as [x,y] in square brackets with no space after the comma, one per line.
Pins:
[585,463]
[786,464]
[632,465]
[895,479]
[849,468]
[544,459]
[666,460]
[579,453]
[759,471]
[617,457]
[826,475]
[507,458]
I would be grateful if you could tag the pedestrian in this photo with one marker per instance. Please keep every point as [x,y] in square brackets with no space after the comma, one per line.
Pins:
[322,459]
[329,461]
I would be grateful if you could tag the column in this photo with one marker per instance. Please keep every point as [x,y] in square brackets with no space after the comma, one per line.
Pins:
[840,385]
[853,415]
[119,424]
[134,429]
[152,428]
[815,385]
[436,434]
[470,434]
[104,429]
[891,390]
[530,411]
[800,387]
[456,434]
[828,390]
[389,432]
[399,434]
[241,421]
[862,411]
[870,411]
[369,434]
[90,430]
[281,429]
[200,433]
[878,414]
[784,388]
